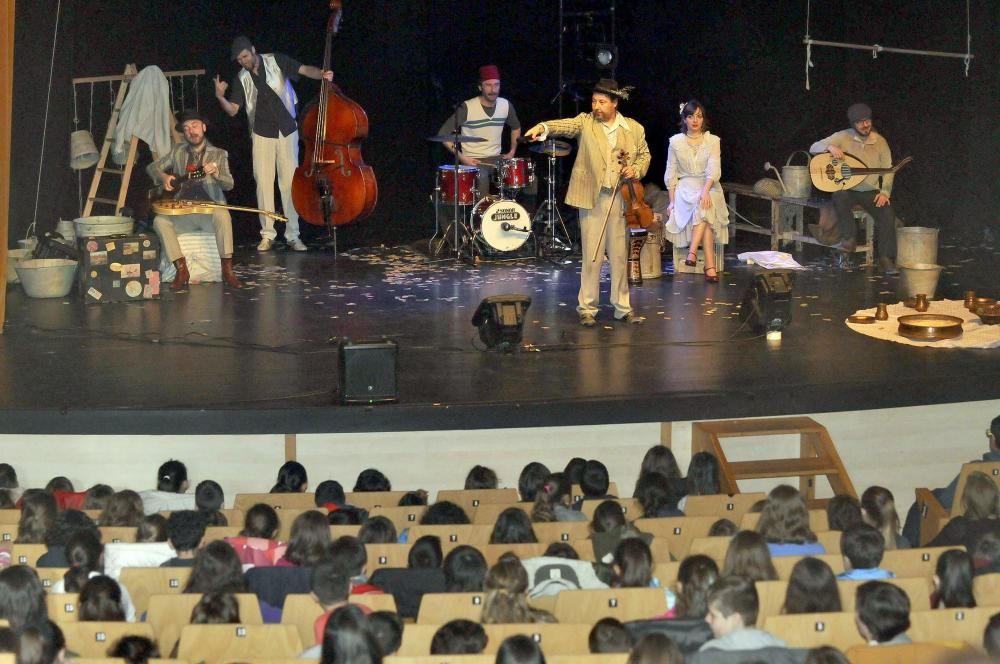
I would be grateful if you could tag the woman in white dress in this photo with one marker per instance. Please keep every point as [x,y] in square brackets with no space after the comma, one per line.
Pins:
[697,214]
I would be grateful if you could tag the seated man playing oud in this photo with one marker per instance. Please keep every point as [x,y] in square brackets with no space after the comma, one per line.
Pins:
[195,170]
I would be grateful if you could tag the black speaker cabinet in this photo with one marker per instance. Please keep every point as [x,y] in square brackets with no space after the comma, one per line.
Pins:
[767,301]
[367,371]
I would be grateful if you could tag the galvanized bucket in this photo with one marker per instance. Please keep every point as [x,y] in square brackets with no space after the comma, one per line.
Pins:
[796,178]
[915,245]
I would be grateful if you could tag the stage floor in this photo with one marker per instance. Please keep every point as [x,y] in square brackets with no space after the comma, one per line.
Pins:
[264,359]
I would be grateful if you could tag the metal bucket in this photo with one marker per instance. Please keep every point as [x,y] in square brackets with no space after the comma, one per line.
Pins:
[920,278]
[82,150]
[66,228]
[46,277]
[14,256]
[796,178]
[916,245]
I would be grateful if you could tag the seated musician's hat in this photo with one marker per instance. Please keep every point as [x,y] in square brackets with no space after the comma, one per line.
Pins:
[190,115]
[609,86]
[858,112]
[489,73]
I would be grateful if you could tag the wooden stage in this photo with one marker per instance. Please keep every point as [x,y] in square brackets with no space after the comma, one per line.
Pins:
[264,359]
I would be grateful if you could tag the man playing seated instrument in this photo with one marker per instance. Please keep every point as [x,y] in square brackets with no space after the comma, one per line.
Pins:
[204,169]
[862,141]
[602,133]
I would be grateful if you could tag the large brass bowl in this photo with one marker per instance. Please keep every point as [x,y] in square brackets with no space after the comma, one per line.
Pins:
[930,327]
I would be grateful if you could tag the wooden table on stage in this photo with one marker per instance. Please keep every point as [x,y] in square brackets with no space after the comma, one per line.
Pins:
[787,220]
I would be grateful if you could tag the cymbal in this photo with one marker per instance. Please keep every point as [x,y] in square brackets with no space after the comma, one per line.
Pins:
[451,138]
[552,147]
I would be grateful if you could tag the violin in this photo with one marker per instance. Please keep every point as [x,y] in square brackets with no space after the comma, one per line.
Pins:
[638,213]
[334,185]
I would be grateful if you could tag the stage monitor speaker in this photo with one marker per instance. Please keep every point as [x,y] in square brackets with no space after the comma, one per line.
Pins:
[368,371]
[767,301]
[500,319]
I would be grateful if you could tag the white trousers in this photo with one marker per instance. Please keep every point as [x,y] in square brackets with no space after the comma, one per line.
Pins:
[281,154]
[616,246]
[168,227]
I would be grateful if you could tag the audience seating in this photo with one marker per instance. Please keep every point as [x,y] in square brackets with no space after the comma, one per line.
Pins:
[611,658]
[989,468]
[666,572]
[49,575]
[215,644]
[93,639]
[772,594]
[370,500]
[169,613]
[811,630]
[143,582]
[630,507]
[492,552]
[589,606]
[987,588]
[471,499]
[554,638]
[63,607]
[933,515]
[213,533]
[659,547]
[8,532]
[387,555]
[817,521]
[301,611]
[10,516]
[678,530]
[785,564]
[117,534]
[234,517]
[576,493]
[279,501]
[951,624]
[454,534]
[401,517]
[26,554]
[340,531]
[907,653]
[722,506]
[914,562]
[439,608]
[487,513]
[561,531]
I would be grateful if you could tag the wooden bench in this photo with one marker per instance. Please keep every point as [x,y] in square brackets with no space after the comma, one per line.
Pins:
[787,220]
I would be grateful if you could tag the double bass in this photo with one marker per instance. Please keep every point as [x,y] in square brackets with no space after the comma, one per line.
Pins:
[333,186]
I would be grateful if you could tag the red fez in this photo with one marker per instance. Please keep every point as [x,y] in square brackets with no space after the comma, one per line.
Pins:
[489,72]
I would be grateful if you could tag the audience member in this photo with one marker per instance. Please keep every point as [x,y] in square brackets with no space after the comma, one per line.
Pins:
[444,512]
[991,636]
[171,485]
[594,483]
[209,499]
[260,521]
[732,615]
[135,649]
[216,568]
[882,613]
[38,514]
[464,570]
[703,477]
[97,497]
[387,629]
[67,524]
[292,478]
[506,598]
[561,550]
[513,527]
[652,490]
[723,528]
[748,555]
[519,649]
[481,477]
[878,509]
[980,512]
[101,600]
[459,637]
[843,511]
[152,528]
[331,588]
[608,527]
[309,542]
[425,553]
[349,557]
[552,501]
[574,469]
[784,523]
[185,530]
[378,530]
[530,481]
[862,548]
[123,509]
[60,484]
[330,496]
[986,557]
[22,597]
[41,643]
[953,581]
[413,498]
[348,638]
[695,578]
[216,608]
[826,655]
[370,480]
[812,588]
[660,459]
[8,483]
[608,635]
[85,560]
[655,648]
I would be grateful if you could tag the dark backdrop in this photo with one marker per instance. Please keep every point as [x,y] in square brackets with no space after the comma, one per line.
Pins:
[407,62]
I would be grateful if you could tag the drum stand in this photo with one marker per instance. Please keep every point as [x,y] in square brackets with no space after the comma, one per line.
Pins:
[548,213]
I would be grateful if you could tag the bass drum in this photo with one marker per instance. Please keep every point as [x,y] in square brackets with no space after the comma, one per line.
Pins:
[503,224]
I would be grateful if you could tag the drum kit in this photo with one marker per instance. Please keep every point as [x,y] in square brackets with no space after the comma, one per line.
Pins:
[496,224]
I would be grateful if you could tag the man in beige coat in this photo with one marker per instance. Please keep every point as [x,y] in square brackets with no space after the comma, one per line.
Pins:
[603,134]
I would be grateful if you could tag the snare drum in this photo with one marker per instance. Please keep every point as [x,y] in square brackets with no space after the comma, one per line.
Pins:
[516,173]
[462,187]
[503,224]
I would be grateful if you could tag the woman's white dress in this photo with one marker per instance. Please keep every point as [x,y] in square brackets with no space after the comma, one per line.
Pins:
[687,167]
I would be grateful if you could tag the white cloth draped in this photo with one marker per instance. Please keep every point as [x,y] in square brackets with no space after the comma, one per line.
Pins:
[145,113]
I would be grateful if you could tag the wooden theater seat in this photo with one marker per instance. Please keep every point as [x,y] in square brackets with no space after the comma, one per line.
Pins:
[817,521]
[913,562]
[144,582]
[713,547]
[576,493]
[492,552]
[487,513]
[50,575]
[474,535]
[340,531]
[951,624]
[666,573]
[213,533]
[630,507]
[63,607]
[771,598]
[678,531]
[10,516]
[605,658]
[561,531]
[659,547]
[301,610]
[118,534]
[26,554]
[370,500]
[785,564]
[624,604]
[907,653]
[215,644]
[918,589]
[8,531]
[439,608]
[811,630]
[93,639]
[722,506]
[987,588]
[279,501]
[471,499]
[933,515]
[169,613]
[387,555]
[401,517]
[554,638]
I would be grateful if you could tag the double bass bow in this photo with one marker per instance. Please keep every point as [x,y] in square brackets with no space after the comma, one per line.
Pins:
[333,186]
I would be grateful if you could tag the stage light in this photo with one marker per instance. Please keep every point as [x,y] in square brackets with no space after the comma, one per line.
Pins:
[500,320]
[767,302]
[606,57]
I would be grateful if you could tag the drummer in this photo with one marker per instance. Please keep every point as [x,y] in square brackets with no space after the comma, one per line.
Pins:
[485,117]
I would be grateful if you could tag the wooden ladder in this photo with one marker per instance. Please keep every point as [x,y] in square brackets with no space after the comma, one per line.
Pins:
[817,453]
[125,172]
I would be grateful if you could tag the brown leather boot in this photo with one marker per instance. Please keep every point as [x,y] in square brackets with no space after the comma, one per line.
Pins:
[228,275]
[182,277]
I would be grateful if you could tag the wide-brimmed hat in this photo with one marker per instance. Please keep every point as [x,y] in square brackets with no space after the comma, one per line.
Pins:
[609,86]
[240,44]
[190,115]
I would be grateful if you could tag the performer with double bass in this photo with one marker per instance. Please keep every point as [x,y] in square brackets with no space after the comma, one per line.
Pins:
[264,88]
[205,171]
[602,133]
